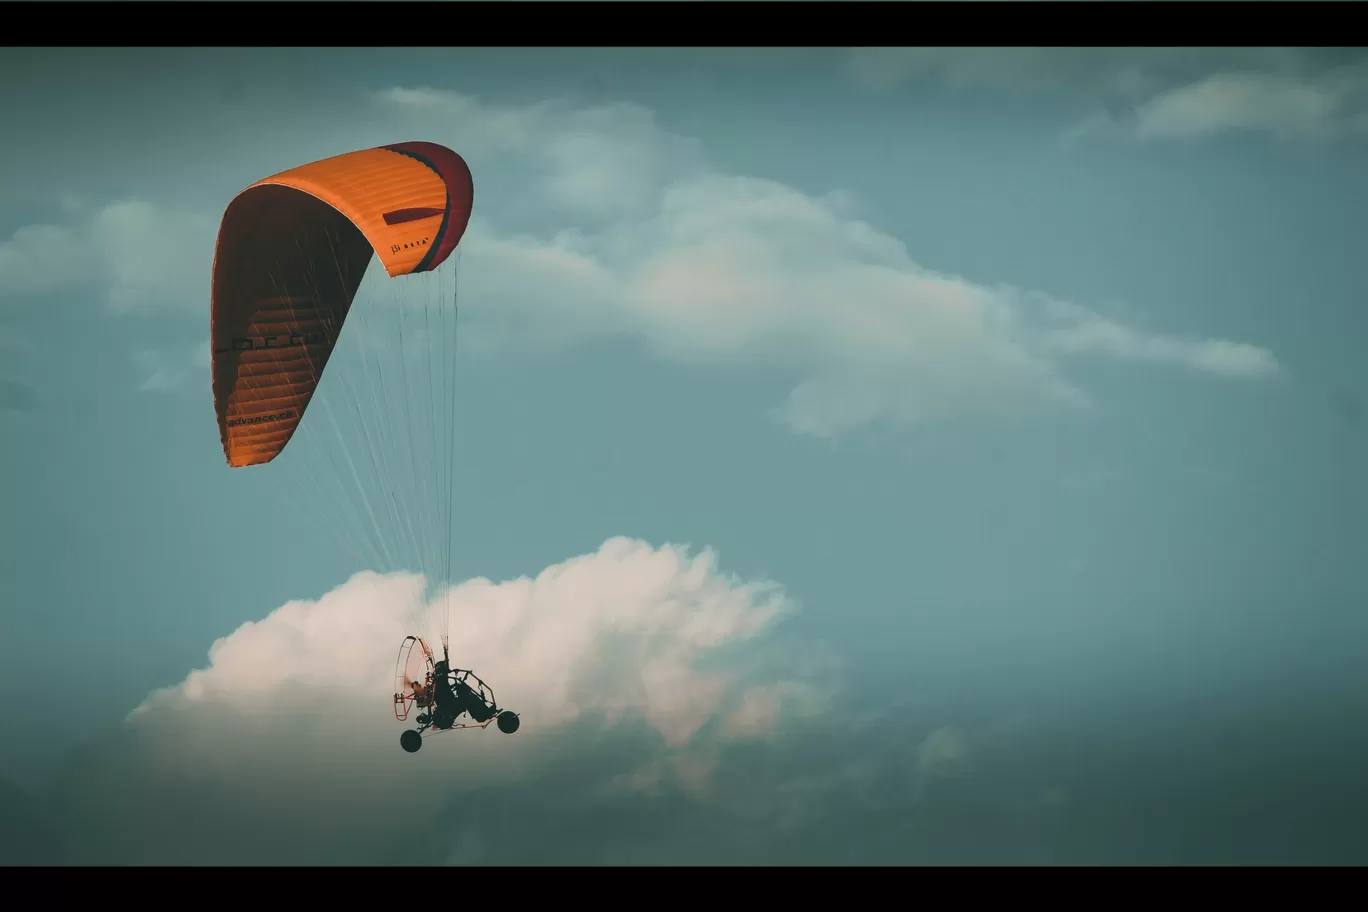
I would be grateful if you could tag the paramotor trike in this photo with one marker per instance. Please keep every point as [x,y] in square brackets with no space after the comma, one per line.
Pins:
[447,698]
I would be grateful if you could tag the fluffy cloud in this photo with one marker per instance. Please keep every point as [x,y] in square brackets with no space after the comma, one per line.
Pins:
[631,668]
[1279,104]
[1155,93]
[664,723]
[132,254]
[1132,71]
[711,268]
[1079,332]
[594,222]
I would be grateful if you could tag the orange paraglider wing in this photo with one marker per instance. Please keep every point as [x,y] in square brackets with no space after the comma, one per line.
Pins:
[291,252]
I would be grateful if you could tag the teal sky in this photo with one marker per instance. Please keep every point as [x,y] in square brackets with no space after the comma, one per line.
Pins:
[1033,377]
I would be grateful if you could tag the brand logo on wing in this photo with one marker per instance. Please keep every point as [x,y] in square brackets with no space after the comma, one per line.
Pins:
[261,419]
[259,343]
[400,216]
[395,248]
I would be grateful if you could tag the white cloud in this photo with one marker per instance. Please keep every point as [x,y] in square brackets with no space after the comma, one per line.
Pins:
[133,255]
[154,256]
[711,268]
[1262,102]
[759,708]
[594,222]
[1081,332]
[37,258]
[1020,69]
[595,162]
[1120,71]
[1154,93]
[623,634]
[633,666]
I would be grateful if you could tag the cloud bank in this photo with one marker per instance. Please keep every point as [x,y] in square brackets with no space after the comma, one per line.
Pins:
[710,268]
[133,255]
[596,223]
[667,721]
[1155,93]
[632,668]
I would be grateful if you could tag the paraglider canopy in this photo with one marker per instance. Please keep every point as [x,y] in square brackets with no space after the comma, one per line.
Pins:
[292,250]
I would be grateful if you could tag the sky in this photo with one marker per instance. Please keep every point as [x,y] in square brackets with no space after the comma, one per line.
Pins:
[905,456]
